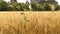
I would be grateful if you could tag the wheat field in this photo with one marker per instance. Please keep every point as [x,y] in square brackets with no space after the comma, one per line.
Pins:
[30,22]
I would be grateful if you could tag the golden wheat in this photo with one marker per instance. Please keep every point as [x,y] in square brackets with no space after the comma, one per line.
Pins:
[30,22]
